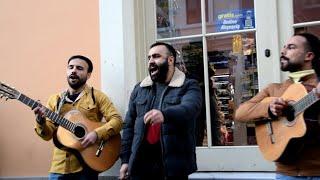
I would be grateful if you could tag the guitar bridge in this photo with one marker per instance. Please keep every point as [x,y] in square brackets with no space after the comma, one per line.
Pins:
[270,132]
[100,147]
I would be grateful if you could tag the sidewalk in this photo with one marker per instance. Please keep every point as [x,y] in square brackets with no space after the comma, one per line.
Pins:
[233,175]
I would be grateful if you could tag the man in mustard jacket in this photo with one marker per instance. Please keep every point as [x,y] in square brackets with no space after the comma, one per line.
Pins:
[299,56]
[93,104]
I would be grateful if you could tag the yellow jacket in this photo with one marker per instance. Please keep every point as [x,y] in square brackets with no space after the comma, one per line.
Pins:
[95,108]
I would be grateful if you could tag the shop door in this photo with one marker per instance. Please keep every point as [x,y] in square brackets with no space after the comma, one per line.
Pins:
[231,48]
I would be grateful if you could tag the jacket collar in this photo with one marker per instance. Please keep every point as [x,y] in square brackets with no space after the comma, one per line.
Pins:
[86,90]
[177,79]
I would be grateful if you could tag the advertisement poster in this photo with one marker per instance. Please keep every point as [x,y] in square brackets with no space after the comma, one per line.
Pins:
[234,20]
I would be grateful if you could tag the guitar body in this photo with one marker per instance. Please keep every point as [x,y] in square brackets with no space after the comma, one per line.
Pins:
[285,140]
[66,140]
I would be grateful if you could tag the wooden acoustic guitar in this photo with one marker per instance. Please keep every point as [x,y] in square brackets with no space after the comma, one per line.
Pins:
[281,139]
[72,129]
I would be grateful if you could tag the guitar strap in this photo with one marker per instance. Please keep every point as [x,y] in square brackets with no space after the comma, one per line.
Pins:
[61,101]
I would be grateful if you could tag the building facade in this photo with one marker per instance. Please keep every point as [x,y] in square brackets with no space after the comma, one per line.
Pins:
[231,47]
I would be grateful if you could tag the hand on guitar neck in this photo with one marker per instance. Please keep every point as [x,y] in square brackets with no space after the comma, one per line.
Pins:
[39,112]
[317,90]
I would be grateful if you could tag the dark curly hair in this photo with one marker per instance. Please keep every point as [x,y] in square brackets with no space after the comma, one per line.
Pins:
[87,60]
[172,51]
[313,45]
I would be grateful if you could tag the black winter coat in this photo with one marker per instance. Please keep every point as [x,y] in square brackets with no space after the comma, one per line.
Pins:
[180,104]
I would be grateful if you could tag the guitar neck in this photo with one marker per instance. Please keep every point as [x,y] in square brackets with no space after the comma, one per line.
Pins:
[48,113]
[305,102]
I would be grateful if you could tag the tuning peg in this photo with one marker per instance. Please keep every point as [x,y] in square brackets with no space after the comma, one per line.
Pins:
[6,98]
[1,95]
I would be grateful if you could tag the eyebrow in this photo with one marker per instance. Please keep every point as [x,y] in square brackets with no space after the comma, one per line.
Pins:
[75,65]
[154,55]
[290,45]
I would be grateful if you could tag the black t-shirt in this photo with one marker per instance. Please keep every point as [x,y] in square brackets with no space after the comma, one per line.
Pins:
[73,97]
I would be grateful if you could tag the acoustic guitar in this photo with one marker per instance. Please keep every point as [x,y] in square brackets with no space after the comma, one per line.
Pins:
[281,139]
[72,129]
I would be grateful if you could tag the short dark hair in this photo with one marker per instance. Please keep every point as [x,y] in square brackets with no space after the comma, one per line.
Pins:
[87,60]
[313,45]
[172,51]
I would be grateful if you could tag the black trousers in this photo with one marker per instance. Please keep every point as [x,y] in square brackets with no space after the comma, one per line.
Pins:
[159,178]
[149,165]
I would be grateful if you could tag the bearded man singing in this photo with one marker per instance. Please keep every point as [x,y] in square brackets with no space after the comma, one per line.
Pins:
[159,133]
[93,105]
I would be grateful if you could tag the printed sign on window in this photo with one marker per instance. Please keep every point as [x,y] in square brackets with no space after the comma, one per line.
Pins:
[233,20]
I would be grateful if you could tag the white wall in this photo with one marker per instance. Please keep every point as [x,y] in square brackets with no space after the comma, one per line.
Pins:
[118,57]
[117,47]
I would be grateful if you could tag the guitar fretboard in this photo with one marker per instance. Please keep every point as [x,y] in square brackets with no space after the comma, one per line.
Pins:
[305,102]
[48,113]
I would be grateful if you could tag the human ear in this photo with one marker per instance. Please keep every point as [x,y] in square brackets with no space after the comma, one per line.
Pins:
[170,60]
[309,56]
[88,75]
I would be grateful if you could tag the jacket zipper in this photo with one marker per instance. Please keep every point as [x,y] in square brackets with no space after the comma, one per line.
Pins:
[161,138]
[144,129]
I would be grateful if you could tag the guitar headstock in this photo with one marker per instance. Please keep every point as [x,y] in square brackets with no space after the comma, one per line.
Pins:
[8,92]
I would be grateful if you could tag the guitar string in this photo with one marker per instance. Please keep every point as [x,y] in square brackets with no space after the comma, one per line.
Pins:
[305,102]
[52,115]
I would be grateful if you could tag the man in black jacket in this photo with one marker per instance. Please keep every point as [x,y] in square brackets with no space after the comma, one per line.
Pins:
[158,139]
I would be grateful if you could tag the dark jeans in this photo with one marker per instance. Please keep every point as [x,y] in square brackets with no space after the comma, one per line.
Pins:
[82,175]
[158,178]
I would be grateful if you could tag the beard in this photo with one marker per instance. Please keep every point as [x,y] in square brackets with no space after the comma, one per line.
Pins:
[288,65]
[75,82]
[158,73]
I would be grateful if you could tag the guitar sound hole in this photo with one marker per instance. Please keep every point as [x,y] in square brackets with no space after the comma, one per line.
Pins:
[289,113]
[79,132]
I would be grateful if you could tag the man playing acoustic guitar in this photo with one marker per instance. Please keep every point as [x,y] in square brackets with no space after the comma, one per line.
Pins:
[93,105]
[301,158]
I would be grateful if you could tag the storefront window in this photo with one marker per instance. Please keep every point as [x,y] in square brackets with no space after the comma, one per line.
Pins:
[232,64]
[230,15]
[312,29]
[190,61]
[178,18]
[234,80]
[306,10]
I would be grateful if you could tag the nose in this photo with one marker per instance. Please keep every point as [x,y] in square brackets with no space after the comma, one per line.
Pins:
[283,50]
[151,60]
[73,70]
